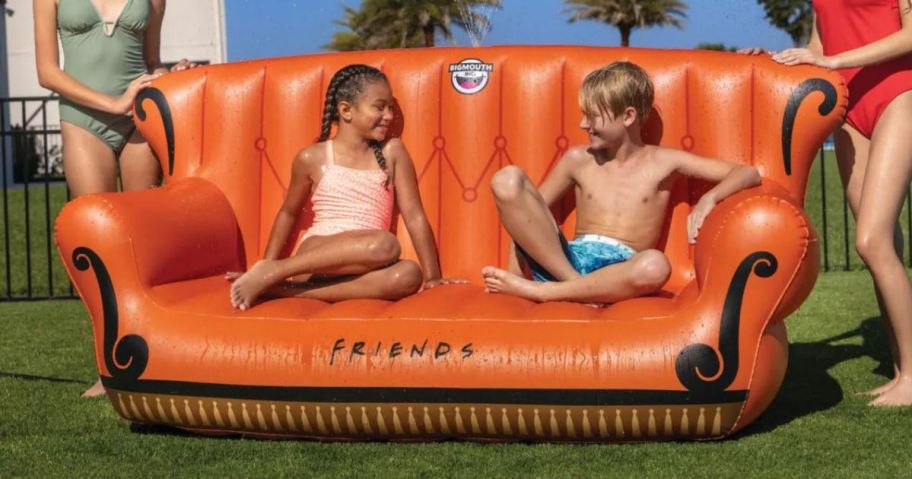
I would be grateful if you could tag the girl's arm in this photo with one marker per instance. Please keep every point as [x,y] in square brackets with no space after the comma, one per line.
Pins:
[152,52]
[298,189]
[892,46]
[52,77]
[152,44]
[408,199]
[814,44]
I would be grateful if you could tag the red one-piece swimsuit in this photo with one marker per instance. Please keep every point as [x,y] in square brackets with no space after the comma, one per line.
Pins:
[849,24]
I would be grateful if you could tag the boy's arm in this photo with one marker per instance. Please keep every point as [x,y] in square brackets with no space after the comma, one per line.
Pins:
[560,178]
[298,189]
[729,177]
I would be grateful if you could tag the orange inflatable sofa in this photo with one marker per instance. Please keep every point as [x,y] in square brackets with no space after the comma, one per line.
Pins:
[701,359]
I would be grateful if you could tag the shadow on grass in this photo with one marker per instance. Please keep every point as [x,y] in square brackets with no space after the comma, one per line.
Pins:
[31,377]
[808,387]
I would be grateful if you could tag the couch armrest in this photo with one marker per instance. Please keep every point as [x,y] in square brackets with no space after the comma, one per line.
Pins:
[181,231]
[759,233]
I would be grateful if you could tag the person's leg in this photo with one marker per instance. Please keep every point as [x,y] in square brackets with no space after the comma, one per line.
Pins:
[529,222]
[852,149]
[349,253]
[390,283]
[89,165]
[886,183]
[642,274]
[139,168]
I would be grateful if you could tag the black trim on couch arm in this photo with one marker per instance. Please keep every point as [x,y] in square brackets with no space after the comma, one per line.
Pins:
[698,365]
[127,358]
[791,112]
[161,103]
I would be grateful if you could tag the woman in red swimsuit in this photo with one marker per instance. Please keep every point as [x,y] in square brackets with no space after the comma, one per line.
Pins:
[870,43]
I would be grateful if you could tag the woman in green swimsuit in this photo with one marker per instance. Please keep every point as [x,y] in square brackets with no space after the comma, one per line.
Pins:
[111,52]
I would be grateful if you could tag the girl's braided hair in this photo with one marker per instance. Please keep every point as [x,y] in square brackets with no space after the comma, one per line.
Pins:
[346,85]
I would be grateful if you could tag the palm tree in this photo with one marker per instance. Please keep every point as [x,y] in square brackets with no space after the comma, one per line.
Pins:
[795,17]
[408,23]
[626,15]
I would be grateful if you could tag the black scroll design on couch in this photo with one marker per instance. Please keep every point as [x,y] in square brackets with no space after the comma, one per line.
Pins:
[697,366]
[791,112]
[161,103]
[127,358]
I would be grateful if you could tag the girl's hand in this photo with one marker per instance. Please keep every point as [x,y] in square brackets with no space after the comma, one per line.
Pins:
[182,65]
[799,56]
[437,282]
[751,51]
[123,105]
[696,217]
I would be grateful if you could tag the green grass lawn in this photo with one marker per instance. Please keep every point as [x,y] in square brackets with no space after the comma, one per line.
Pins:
[816,426]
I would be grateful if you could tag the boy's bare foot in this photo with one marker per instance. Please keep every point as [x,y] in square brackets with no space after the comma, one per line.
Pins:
[499,281]
[248,287]
[96,390]
[899,395]
[233,275]
[879,390]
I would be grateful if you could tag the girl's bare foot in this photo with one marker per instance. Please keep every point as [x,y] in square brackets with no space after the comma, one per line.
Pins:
[233,275]
[499,281]
[96,390]
[879,390]
[248,287]
[899,395]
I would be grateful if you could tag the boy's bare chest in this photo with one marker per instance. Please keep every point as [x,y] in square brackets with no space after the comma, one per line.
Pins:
[621,190]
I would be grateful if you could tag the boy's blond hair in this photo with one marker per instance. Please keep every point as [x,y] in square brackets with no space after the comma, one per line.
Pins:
[614,88]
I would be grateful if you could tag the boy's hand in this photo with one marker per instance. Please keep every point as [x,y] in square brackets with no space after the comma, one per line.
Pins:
[696,217]
[437,282]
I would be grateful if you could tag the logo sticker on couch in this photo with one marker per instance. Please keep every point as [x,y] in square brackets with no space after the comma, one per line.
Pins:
[470,76]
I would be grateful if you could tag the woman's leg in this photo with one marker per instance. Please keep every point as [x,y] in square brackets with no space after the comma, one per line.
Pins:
[88,163]
[642,274]
[139,168]
[90,167]
[390,283]
[529,222]
[852,149]
[886,183]
[349,253]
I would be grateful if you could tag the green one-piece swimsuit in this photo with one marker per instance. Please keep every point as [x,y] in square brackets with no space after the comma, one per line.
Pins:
[105,61]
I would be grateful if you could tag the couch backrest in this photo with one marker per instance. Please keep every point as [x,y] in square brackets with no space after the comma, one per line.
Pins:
[240,125]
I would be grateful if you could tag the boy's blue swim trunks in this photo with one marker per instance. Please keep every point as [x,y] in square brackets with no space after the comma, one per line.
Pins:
[586,253]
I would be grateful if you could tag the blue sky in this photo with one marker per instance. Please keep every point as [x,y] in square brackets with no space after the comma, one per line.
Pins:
[265,28]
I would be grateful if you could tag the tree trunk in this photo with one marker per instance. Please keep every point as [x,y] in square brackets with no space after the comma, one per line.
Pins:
[429,36]
[625,34]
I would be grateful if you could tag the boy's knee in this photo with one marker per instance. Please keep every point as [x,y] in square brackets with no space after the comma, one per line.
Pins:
[405,279]
[384,247]
[508,183]
[651,271]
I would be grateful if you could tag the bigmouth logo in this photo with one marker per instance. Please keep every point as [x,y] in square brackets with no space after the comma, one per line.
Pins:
[470,76]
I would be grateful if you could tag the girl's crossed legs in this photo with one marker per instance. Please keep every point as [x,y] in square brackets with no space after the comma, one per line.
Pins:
[354,264]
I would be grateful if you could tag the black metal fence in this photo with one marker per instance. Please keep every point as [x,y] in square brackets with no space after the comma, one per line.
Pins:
[33,191]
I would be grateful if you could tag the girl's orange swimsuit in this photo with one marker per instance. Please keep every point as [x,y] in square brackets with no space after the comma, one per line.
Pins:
[348,199]
[849,24]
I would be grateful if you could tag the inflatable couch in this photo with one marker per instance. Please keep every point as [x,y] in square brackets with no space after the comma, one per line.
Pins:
[701,359]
